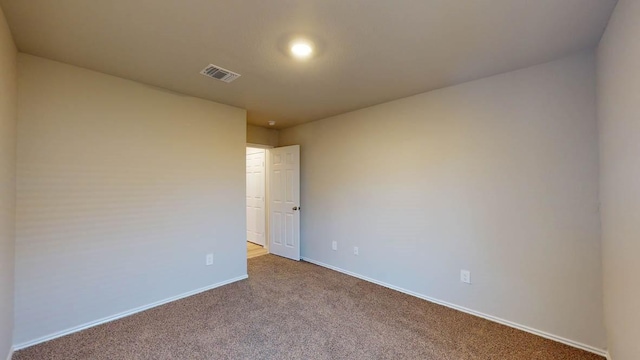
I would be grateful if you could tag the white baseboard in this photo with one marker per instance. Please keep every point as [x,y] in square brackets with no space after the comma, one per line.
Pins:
[10,353]
[608,356]
[122,314]
[543,334]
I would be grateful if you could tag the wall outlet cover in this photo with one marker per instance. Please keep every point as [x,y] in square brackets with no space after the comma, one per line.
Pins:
[465,276]
[334,245]
[209,260]
[356,251]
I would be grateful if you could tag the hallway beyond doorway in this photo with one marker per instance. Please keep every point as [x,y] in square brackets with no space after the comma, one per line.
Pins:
[254,250]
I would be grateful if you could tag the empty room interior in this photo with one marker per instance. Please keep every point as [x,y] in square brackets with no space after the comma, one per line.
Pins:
[319,179]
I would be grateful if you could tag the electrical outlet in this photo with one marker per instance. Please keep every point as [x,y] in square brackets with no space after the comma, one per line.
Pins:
[465,276]
[334,245]
[356,251]
[209,259]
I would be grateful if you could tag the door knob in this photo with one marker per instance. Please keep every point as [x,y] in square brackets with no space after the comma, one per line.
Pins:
[296,208]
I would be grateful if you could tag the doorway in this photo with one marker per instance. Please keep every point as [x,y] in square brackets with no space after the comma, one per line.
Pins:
[256,202]
[273,200]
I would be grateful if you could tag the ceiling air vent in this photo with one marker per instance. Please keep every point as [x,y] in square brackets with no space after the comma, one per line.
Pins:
[219,73]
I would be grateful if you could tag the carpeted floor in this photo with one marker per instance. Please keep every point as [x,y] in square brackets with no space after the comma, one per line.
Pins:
[291,310]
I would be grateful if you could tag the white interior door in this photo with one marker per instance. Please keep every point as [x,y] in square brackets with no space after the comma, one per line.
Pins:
[256,195]
[284,201]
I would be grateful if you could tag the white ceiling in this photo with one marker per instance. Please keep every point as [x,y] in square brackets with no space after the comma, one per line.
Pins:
[371,51]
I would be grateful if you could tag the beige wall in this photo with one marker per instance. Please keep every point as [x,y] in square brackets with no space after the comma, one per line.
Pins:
[497,176]
[122,191]
[262,136]
[8,117]
[619,125]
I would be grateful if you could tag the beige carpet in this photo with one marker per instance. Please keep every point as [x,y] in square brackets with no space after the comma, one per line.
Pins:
[291,310]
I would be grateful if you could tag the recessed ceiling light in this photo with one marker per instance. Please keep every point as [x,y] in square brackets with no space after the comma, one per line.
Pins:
[301,49]
[271,123]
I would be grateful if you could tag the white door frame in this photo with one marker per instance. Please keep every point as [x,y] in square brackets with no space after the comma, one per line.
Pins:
[267,228]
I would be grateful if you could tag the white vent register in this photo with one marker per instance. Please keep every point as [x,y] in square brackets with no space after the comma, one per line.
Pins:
[219,73]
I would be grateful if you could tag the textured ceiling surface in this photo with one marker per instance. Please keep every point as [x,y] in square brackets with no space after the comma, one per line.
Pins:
[368,51]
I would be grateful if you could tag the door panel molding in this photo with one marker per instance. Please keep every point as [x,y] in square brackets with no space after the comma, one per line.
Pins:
[284,201]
